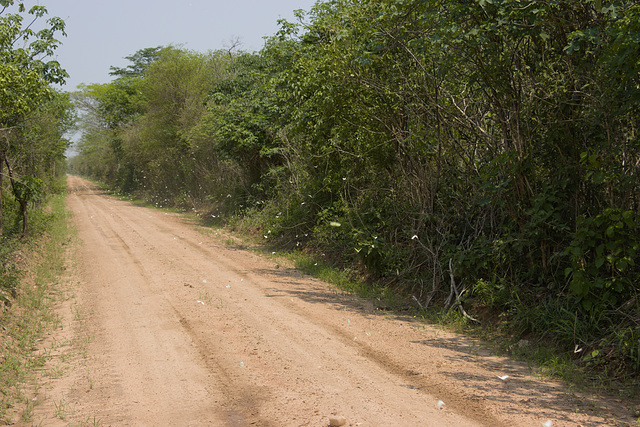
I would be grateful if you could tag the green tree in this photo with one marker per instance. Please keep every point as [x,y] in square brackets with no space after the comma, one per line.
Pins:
[143,131]
[243,117]
[25,78]
[162,142]
[105,110]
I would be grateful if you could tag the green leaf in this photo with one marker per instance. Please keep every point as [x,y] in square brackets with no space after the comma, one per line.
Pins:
[599,262]
[599,177]
[610,231]
[621,264]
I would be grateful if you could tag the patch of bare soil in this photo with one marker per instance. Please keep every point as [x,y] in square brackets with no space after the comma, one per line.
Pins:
[185,331]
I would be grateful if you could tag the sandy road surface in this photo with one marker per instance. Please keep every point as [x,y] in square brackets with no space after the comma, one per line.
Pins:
[186,331]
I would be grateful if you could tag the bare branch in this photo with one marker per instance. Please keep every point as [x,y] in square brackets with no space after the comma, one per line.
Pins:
[454,288]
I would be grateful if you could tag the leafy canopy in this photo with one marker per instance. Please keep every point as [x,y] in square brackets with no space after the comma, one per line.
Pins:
[25,72]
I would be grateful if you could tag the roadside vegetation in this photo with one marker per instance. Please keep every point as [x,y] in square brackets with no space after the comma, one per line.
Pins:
[479,158]
[33,223]
[36,267]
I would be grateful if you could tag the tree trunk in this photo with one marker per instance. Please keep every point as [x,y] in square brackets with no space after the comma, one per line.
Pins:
[3,153]
[23,208]
[21,200]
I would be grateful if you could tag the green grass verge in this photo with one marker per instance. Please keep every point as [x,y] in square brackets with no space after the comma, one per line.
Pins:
[40,263]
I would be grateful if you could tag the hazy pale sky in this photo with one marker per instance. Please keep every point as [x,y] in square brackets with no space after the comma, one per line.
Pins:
[101,33]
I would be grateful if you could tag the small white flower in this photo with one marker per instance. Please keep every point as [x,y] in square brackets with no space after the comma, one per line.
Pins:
[440,404]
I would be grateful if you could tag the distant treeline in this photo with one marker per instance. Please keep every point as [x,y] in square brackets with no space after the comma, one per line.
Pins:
[484,153]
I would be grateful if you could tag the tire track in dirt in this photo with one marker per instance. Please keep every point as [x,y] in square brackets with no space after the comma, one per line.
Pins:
[110,228]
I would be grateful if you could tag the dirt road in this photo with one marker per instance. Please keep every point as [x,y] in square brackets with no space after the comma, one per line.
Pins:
[183,330]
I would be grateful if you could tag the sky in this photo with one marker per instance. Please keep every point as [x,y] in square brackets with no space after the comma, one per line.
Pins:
[101,33]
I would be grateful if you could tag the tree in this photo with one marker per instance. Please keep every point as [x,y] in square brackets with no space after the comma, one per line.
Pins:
[140,62]
[25,78]
[242,117]
[146,128]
